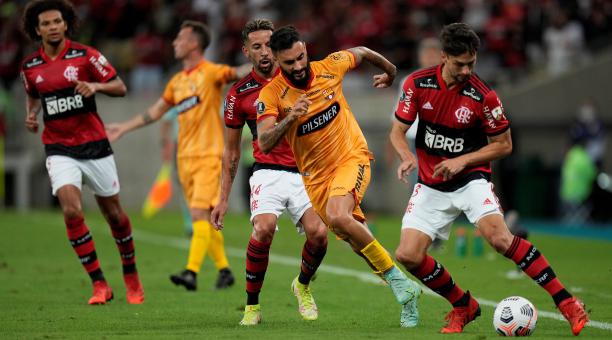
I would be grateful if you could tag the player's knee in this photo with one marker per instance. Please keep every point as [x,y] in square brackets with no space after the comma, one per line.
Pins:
[339,221]
[264,232]
[319,237]
[410,258]
[72,211]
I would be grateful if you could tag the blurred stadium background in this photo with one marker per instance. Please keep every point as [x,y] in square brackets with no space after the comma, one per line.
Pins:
[549,60]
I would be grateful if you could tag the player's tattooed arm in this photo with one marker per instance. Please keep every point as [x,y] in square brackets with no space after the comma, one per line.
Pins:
[230,160]
[380,80]
[270,131]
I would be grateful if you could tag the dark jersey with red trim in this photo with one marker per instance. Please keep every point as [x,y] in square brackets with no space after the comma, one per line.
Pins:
[72,125]
[240,107]
[452,122]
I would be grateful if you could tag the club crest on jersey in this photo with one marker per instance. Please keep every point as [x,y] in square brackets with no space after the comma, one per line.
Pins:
[328,94]
[71,73]
[463,115]
[261,107]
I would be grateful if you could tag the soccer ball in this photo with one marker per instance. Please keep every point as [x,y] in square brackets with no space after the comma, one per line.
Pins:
[515,316]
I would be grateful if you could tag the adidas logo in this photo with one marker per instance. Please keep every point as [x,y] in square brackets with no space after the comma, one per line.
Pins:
[427,106]
[487,201]
[39,79]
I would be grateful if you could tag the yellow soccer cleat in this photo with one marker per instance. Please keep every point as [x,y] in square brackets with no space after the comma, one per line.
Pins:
[306,304]
[252,315]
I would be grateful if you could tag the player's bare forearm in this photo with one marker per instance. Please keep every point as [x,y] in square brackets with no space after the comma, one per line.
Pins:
[32,104]
[499,147]
[231,159]
[113,88]
[270,133]
[397,137]
[154,113]
[363,53]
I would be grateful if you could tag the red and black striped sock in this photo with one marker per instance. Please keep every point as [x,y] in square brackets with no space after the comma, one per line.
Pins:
[312,256]
[83,244]
[122,233]
[438,279]
[534,264]
[256,265]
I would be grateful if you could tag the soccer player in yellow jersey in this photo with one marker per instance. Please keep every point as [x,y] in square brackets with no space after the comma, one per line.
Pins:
[305,104]
[196,92]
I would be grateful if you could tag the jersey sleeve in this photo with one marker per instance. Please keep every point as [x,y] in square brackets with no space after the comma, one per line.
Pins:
[168,94]
[231,110]
[341,61]
[99,67]
[28,86]
[494,120]
[266,104]
[406,111]
[224,73]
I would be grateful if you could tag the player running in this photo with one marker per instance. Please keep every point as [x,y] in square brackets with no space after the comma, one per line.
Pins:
[276,184]
[196,93]
[305,103]
[62,78]
[462,128]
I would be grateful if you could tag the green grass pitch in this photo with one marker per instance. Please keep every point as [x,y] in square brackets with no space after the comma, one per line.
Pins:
[43,289]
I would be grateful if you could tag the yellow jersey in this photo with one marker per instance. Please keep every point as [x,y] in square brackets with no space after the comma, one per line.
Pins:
[197,93]
[328,134]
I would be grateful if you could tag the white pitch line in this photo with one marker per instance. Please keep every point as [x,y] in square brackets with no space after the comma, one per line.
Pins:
[181,243]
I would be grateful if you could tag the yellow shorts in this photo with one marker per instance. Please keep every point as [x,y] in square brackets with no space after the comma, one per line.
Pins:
[351,176]
[200,178]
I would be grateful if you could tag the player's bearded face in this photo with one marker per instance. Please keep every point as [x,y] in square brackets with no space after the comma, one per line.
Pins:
[51,27]
[258,51]
[295,65]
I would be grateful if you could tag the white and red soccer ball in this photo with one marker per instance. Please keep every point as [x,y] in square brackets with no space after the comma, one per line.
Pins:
[515,316]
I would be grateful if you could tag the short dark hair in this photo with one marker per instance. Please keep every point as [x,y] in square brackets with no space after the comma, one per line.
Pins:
[200,30]
[33,9]
[459,38]
[256,25]
[284,38]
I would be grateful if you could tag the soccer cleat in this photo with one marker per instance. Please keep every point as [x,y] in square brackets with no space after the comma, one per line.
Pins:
[458,317]
[409,317]
[225,279]
[102,293]
[186,278]
[134,293]
[306,304]
[573,310]
[252,315]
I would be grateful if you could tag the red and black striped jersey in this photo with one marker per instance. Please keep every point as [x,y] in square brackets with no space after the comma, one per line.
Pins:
[240,107]
[452,122]
[72,124]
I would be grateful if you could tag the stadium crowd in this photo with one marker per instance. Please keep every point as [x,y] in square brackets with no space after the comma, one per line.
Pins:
[518,35]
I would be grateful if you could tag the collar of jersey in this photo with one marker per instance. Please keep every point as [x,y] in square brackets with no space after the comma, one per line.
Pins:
[59,56]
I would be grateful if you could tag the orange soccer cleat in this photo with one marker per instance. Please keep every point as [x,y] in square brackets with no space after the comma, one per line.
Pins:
[573,310]
[134,293]
[102,293]
[458,317]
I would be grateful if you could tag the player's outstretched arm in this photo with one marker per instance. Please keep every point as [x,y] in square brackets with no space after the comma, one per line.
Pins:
[154,113]
[231,158]
[270,131]
[32,109]
[380,80]
[113,88]
[499,147]
[397,137]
